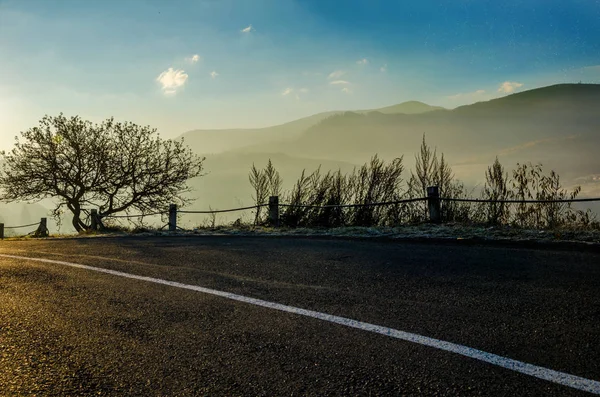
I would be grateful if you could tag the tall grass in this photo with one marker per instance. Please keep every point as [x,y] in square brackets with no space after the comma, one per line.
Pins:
[530,183]
[382,182]
[374,182]
[265,183]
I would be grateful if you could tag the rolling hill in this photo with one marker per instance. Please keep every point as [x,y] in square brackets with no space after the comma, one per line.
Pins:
[558,126]
[410,107]
[220,140]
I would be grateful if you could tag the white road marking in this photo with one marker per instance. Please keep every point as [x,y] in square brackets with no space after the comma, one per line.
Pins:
[561,378]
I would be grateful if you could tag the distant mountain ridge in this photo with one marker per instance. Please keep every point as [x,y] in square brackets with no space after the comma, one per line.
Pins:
[219,140]
[578,98]
[410,107]
[557,126]
[553,100]
[517,126]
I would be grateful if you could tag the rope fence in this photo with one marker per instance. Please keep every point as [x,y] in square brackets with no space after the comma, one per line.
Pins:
[469,200]
[433,203]
[129,216]
[222,211]
[355,205]
[432,199]
[40,231]
[21,226]
[412,200]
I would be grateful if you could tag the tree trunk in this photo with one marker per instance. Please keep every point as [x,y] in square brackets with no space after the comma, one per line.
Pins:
[77,223]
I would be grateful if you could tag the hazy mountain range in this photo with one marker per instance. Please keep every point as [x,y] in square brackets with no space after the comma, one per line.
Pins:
[217,141]
[558,126]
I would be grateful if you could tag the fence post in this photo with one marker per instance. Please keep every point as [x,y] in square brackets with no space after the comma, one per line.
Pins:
[274,211]
[433,202]
[2,231]
[42,230]
[94,219]
[172,217]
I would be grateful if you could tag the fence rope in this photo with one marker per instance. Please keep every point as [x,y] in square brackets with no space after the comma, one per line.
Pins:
[308,206]
[394,203]
[355,205]
[133,216]
[220,211]
[469,200]
[21,226]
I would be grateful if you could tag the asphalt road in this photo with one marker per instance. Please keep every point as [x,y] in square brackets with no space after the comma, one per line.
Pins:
[71,331]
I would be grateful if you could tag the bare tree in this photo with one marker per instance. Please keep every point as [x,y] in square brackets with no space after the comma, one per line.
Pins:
[117,167]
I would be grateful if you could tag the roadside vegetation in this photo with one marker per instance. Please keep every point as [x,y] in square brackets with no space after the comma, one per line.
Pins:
[383,182]
[124,169]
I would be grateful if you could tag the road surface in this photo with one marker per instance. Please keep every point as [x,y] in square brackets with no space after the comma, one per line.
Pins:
[66,330]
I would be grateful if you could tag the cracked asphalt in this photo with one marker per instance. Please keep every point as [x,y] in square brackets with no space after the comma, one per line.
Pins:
[69,332]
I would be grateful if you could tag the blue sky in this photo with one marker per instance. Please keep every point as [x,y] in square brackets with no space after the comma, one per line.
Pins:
[180,65]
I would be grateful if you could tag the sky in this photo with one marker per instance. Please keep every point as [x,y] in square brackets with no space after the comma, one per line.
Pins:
[180,65]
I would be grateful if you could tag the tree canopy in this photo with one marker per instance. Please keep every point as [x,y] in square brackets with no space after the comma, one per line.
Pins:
[112,166]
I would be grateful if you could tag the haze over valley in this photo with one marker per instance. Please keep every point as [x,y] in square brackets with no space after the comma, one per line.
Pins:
[557,126]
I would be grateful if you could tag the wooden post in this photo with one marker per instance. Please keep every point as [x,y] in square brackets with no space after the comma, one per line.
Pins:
[274,211]
[42,230]
[94,219]
[433,202]
[172,217]
[1,230]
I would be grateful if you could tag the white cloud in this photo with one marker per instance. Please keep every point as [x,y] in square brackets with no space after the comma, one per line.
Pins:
[247,29]
[336,74]
[363,61]
[509,87]
[171,80]
[339,82]
[303,90]
[468,95]
[346,90]
[193,59]
[287,91]
[214,74]
[383,69]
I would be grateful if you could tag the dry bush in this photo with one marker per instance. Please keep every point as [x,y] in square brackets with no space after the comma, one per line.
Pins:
[334,199]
